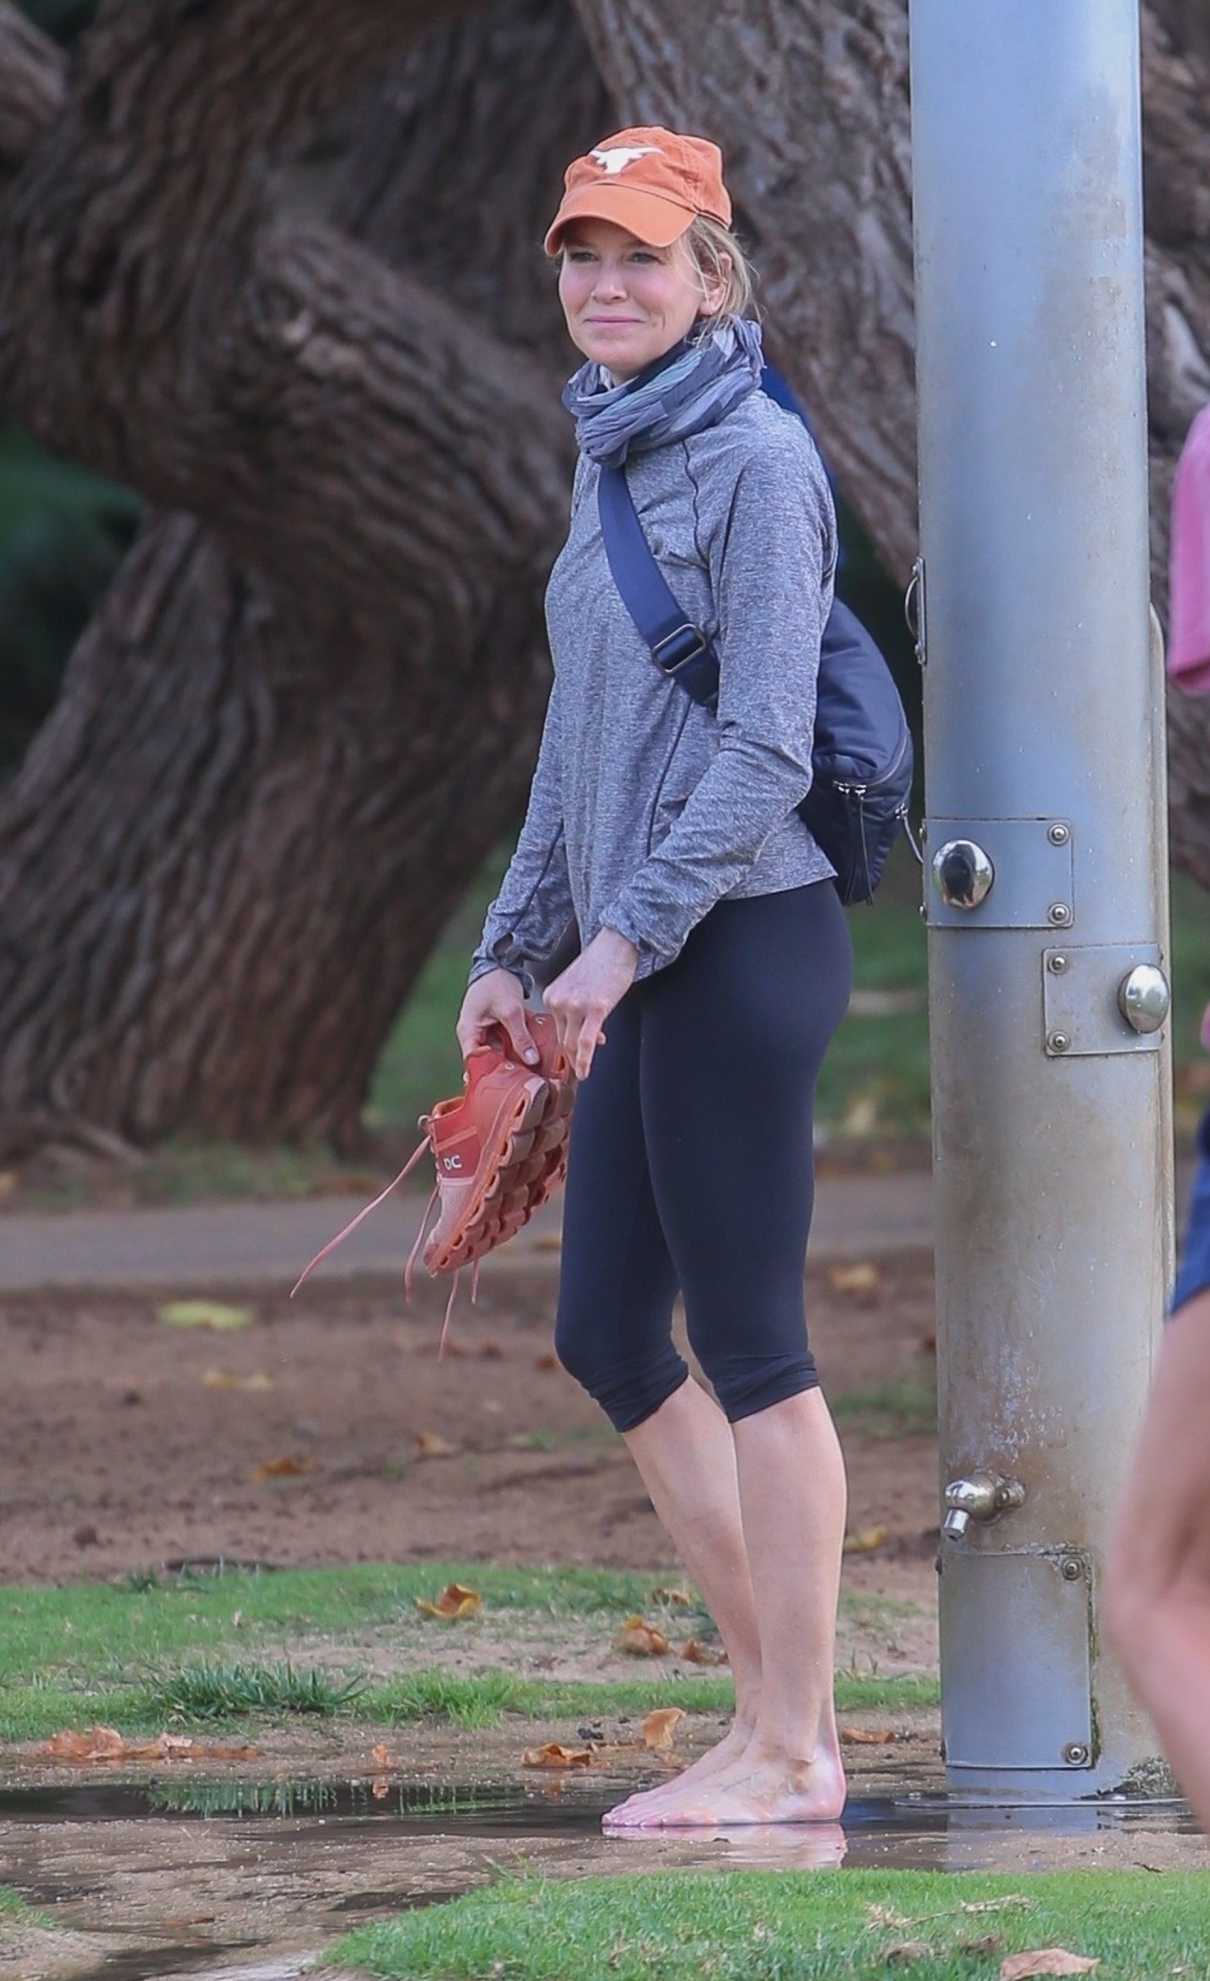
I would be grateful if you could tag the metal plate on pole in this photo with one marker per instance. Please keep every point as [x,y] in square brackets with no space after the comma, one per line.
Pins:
[1034,883]
[1082,998]
[1013,1711]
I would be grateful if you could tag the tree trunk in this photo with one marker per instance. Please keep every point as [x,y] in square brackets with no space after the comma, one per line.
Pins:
[375,466]
[810,104]
[286,774]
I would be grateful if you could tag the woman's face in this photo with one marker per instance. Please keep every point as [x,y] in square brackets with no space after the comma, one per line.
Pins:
[625,303]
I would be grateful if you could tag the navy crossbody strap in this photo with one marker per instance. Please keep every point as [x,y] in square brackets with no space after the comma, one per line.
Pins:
[677,647]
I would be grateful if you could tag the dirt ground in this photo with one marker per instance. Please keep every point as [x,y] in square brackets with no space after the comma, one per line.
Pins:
[120,1453]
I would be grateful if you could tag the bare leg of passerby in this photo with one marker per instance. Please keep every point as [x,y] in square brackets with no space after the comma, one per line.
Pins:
[792,1506]
[1158,1586]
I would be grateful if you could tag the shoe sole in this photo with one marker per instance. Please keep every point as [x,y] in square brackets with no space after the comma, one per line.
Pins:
[522,1166]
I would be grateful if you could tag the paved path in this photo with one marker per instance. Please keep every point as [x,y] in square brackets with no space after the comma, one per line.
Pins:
[233,1244]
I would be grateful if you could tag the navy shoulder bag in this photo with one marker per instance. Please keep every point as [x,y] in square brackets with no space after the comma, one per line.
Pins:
[862,755]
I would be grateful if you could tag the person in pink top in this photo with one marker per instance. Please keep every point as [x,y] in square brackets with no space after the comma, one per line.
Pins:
[1189,590]
[1158,1583]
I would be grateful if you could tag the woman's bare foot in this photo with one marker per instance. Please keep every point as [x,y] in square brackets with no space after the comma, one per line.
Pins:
[716,1760]
[756,1788]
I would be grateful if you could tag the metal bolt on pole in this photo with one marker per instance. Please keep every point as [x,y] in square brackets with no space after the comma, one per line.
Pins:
[1045,863]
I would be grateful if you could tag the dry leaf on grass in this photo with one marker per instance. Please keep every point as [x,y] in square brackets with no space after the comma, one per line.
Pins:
[864,1736]
[990,1943]
[905,1952]
[282,1468]
[865,1540]
[659,1728]
[884,1915]
[555,1756]
[203,1314]
[381,1756]
[1006,1904]
[861,1278]
[680,1599]
[227,1379]
[452,1604]
[430,1445]
[1045,1960]
[105,1743]
[696,1653]
[640,1639]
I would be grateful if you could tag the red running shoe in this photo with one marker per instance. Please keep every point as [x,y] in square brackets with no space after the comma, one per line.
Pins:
[500,1150]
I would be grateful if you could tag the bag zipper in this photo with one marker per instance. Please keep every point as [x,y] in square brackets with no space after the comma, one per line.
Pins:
[860,790]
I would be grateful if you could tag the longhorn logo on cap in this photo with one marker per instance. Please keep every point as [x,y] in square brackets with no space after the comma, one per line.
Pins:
[618,157]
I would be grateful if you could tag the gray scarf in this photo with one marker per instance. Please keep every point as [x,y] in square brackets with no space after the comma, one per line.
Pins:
[690,387]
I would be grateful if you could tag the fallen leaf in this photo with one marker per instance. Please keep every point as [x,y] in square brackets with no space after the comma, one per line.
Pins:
[659,1729]
[905,1952]
[227,1379]
[429,1445]
[282,1468]
[203,1314]
[105,1743]
[546,1363]
[640,1639]
[381,1756]
[555,1756]
[864,1736]
[861,1278]
[678,1598]
[1045,1960]
[990,1943]
[452,1604]
[696,1653]
[865,1540]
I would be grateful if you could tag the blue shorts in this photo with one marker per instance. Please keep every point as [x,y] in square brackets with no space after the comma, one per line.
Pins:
[1194,1274]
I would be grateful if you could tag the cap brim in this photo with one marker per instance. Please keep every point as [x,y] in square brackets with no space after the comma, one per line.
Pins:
[655,221]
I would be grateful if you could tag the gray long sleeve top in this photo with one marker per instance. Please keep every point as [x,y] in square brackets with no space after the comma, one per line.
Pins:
[645,807]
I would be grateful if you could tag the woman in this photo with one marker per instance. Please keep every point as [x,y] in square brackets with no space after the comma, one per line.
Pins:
[714,962]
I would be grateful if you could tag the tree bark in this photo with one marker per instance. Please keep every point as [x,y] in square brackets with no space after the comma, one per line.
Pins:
[285,771]
[810,104]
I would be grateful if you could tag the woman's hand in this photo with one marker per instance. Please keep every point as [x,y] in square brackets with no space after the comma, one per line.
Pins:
[582,998]
[495,999]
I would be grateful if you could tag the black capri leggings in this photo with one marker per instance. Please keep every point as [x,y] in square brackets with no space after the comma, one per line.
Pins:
[691,1167]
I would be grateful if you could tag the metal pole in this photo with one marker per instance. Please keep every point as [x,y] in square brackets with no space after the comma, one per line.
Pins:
[1044,874]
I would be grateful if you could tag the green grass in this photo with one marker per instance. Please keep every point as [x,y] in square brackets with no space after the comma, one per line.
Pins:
[904,1407]
[783,1926]
[98,1628]
[36,1711]
[223,1692]
[135,1655]
[16,1911]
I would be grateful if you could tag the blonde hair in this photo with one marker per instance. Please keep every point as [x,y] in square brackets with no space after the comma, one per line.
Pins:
[715,257]
[718,259]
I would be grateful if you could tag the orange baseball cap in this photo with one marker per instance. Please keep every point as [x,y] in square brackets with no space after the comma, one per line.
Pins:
[651,181]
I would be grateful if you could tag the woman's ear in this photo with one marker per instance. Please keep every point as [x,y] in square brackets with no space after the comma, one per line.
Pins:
[715,287]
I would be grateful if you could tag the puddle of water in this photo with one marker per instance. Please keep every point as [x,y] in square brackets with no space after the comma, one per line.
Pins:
[907,1829]
[896,1828]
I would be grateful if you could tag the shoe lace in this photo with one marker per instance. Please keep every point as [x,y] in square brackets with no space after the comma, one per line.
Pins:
[409,1269]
